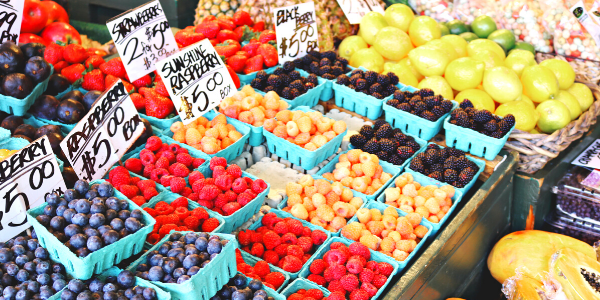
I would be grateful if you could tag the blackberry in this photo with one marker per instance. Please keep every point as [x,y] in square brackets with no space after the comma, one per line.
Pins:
[404,107]
[405,152]
[426,92]
[466,103]
[461,118]
[429,116]
[324,70]
[391,89]
[461,163]
[294,75]
[298,63]
[498,134]
[358,141]
[395,160]
[286,93]
[433,146]
[388,145]
[288,66]
[278,71]
[393,103]
[399,95]
[314,67]
[382,79]
[354,79]
[393,78]
[295,93]
[437,175]
[453,122]
[315,54]
[450,163]
[491,126]
[504,126]
[307,59]
[510,119]
[458,185]
[270,88]
[297,84]
[446,106]
[343,79]
[438,111]
[325,62]
[379,123]
[364,91]
[419,106]
[337,71]
[309,85]
[352,86]
[443,154]
[371,146]
[414,145]
[343,61]
[367,131]
[400,137]
[262,75]
[285,80]
[274,80]
[371,77]
[437,168]
[395,130]
[455,152]
[312,78]
[383,132]
[472,165]
[431,157]
[465,176]
[376,95]
[329,55]
[482,116]
[497,118]
[430,102]
[417,165]
[328,76]
[357,72]
[450,176]
[375,88]
[473,125]
[383,155]
[470,111]
[361,84]
[257,84]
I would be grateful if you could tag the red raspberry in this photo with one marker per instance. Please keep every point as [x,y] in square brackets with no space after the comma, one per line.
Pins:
[281,250]
[157,174]
[145,151]
[270,239]
[120,179]
[200,213]
[191,223]
[305,243]
[117,169]
[306,257]
[275,278]
[349,282]
[271,257]
[168,155]
[221,201]
[209,192]
[384,269]
[194,176]
[245,198]
[197,162]
[314,293]
[230,195]
[148,170]
[210,225]
[134,180]
[261,268]
[235,171]
[174,148]
[193,197]
[280,228]
[129,191]
[306,231]
[151,211]
[198,185]
[335,256]
[244,268]
[185,159]
[369,288]
[244,238]
[318,237]
[153,238]
[180,202]
[217,161]
[336,286]
[289,238]
[139,200]
[371,265]
[269,219]
[294,226]
[218,171]
[355,266]
[165,229]
[291,264]
[297,296]
[318,279]
[257,250]
[360,249]
[177,184]
[154,143]
[224,182]
[149,193]
[166,180]
[294,250]
[337,245]
[359,295]
[239,186]
[379,280]
[258,186]
[318,266]
[256,237]
[334,272]
[134,165]
[179,169]
[186,191]
[205,203]
[230,208]
[182,212]
[144,184]
[366,275]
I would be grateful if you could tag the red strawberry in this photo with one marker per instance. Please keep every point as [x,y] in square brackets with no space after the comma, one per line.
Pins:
[114,67]
[188,37]
[93,80]
[209,29]
[94,60]
[227,34]
[254,64]
[228,48]
[208,19]
[266,36]
[241,17]
[234,77]
[251,48]
[237,62]
[226,23]
[269,54]
[158,106]
[128,86]
[54,53]
[259,26]
[138,100]
[60,65]
[143,81]
[73,72]
[75,53]
[109,80]
[160,87]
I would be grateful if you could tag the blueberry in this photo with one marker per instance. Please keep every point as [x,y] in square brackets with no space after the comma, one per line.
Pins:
[60,210]
[156,274]
[164,249]
[72,230]
[96,285]
[90,232]
[85,295]
[110,237]
[126,278]
[174,252]
[104,228]
[175,236]
[71,195]
[22,275]
[59,284]
[76,286]
[97,220]
[58,268]
[123,204]
[9,292]
[5,255]
[178,272]
[238,295]
[18,249]
[30,267]
[123,233]
[113,203]
[143,275]
[137,297]
[21,260]
[98,200]
[239,281]
[57,276]
[34,287]
[124,214]
[83,206]
[214,237]
[156,260]
[255,285]
[204,235]
[68,215]
[80,219]
[201,244]
[177,244]
[149,293]
[105,189]
[204,263]
[137,213]
[94,243]
[67,294]
[46,292]
[23,294]
[11,268]
[8,280]
[191,250]
[44,220]
[117,224]
[81,186]
[78,241]
[44,279]
[73,203]
[58,223]
[61,236]
[129,293]
[193,271]
[110,296]
[204,256]
[225,292]
[109,287]
[53,199]
[97,207]
[50,210]
[214,246]
[169,265]
[191,260]
[180,257]
[190,238]
[83,252]
[183,279]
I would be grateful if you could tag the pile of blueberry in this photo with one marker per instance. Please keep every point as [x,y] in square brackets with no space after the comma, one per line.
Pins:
[423,103]
[481,120]
[370,83]
[285,81]
[239,288]
[181,257]
[326,65]
[447,165]
[27,271]
[88,217]
[120,287]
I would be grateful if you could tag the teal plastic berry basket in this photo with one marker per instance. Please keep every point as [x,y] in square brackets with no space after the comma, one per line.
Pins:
[252,260]
[360,103]
[205,283]
[303,284]
[422,144]
[4,134]
[98,261]
[327,92]
[19,107]
[381,207]
[312,227]
[435,227]
[413,124]
[270,292]
[469,140]
[426,180]
[247,78]
[12,143]
[255,136]
[162,124]
[375,256]
[310,98]
[299,156]
[386,166]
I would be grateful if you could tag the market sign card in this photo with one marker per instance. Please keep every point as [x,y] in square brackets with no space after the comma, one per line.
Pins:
[143,37]
[101,138]
[356,9]
[296,28]
[197,80]
[590,157]
[26,177]
[11,15]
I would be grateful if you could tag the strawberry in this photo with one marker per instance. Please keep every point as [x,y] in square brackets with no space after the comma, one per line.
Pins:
[254,64]
[251,48]
[209,29]
[259,26]
[227,34]
[241,17]
[160,87]
[75,53]
[156,105]
[188,37]
[139,101]
[208,19]
[214,42]
[226,22]
[143,81]
[93,80]
[54,53]
[228,48]
[269,54]
[128,86]
[109,80]
[234,76]
[60,65]
[94,60]
[73,72]
[237,62]
[114,67]
[266,36]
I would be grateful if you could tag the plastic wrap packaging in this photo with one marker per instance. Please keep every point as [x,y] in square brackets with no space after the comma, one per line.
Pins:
[439,10]
[524,287]
[524,19]
[468,10]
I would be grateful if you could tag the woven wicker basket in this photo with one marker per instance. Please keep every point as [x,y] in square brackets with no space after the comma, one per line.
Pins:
[536,150]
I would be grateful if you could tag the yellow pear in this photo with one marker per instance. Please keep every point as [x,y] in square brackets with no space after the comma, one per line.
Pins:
[438,85]
[502,84]
[404,74]
[464,73]
[539,83]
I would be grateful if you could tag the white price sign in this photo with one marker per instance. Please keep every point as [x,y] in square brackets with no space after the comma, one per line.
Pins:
[11,15]
[143,37]
[356,9]
[590,157]
[296,29]
[101,138]
[26,177]
[197,80]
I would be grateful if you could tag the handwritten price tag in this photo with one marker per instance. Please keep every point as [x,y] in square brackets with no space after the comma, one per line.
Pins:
[101,138]
[143,37]
[197,80]
[11,14]
[296,29]
[25,179]
[356,9]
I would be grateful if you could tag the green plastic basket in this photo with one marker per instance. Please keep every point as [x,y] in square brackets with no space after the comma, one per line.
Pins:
[19,107]
[303,284]
[469,140]
[98,261]
[252,260]
[413,124]
[205,283]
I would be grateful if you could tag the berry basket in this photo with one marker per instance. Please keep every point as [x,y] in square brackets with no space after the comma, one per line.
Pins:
[37,123]
[310,98]
[252,260]
[327,92]
[375,256]
[19,107]
[422,143]
[360,103]
[303,284]
[312,227]
[4,134]
[299,156]
[413,124]
[381,207]
[387,167]
[435,227]
[162,124]
[205,283]
[469,140]
[195,153]
[426,180]
[12,143]
[98,261]
[247,78]
[234,150]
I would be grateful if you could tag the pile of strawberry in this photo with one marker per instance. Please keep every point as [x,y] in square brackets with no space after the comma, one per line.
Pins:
[134,188]
[284,243]
[261,271]
[177,216]
[310,294]
[227,33]
[348,273]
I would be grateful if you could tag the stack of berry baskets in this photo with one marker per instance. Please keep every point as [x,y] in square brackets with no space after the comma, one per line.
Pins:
[450,166]
[302,288]
[364,92]
[478,132]
[286,242]
[333,258]
[336,171]
[230,152]
[408,232]
[419,113]
[316,148]
[190,214]
[403,193]
[215,252]
[251,261]
[296,87]
[93,257]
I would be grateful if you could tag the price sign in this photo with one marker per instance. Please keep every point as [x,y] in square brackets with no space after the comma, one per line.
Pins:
[143,37]
[11,14]
[197,80]
[26,177]
[296,29]
[356,9]
[101,138]
[590,157]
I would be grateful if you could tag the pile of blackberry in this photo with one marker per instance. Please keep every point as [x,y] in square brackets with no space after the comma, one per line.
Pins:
[423,103]
[285,81]
[327,64]
[388,144]
[447,165]
[481,121]
[370,83]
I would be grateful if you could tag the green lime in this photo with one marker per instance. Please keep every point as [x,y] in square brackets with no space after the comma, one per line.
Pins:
[444,29]
[483,26]
[456,27]
[525,46]
[468,36]
[504,38]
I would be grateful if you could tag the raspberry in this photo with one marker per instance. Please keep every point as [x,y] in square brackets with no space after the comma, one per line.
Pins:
[166,180]
[271,240]
[197,162]
[116,170]
[318,279]
[318,266]
[139,200]
[369,288]
[336,296]
[217,161]
[244,237]
[210,225]
[257,250]
[349,282]
[280,228]
[191,223]
[185,159]
[306,231]
[182,212]
[275,278]
[154,144]
[194,176]
[360,249]
[354,266]
[334,272]
[384,269]
[207,204]
[371,265]
[318,237]
[335,256]
[271,257]
[291,264]
[261,268]
[224,182]
[174,148]
[281,249]
[129,191]
[314,293]
[230,196]
[149,193]
[120,179]
[239,185]
[258,186]
[294,250]
[177,184]
[235,171]
[170,156]
[230,208]
[148,170]
[379,280]
[245,198]
[165,229]
[151,211]
[134,165]
[359,295]
[158,173]
[153,238]
[366,275]
[179,169]
[134,180]
[209,192]
[180,202]
[218,171]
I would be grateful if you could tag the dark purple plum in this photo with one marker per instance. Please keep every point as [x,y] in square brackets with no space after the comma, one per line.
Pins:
[33,49]
[46,129]
[89,98]
[26,130]
[17,85]
[57,84]
[37,68]
[76,95]
[55,139]
[69,176]
[12,58]
[11,123]
[70,111]
[45,107]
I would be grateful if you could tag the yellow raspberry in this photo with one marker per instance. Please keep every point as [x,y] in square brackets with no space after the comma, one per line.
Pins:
[375,214]
[404,245]
[192,136]
[337,223]
[357,202]
[414,219]
[219,119]
[404,227]
[248,90]
[376,227]
[294,199]
[309,205]
[310,191]
[180,136]
[395,236]
[304,124]
[387,244]
[371,241]
[176,126]
[449,190]
[399,255]
[420,231]
[352,231]
[389,222]
[234,135]
[363,215]
[339,127]
[325,212]
[222,129]
[284,116]
[293,188]
[319,199]
[319,222]
[299,211]
[306,180]
[323,186]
